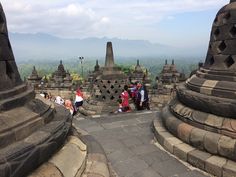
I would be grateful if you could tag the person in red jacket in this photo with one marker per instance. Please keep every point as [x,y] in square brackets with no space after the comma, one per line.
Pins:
[125,99]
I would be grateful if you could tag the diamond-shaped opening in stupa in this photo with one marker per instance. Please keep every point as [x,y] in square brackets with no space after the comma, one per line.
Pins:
[217,32]
[112,97]
[233,31]
[222,46]
[229,61]
[210,60]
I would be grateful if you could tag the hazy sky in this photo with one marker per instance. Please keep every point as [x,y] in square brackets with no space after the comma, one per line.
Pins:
[172,22]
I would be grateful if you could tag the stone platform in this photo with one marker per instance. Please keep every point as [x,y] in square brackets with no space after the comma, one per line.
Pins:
[129,145]
[216,165]
[81,156]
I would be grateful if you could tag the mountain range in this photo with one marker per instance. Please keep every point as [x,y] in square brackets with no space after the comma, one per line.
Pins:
[41,46]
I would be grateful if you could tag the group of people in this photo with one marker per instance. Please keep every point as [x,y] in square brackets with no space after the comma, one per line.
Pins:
[72,107]
[139,95]
[136,92]
[79,98]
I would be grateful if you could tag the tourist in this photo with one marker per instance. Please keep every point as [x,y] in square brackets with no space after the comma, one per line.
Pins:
[133,90]
[79,97]
[49,96]
[42,94]
[69,106]
[59,100]
[45,95]
[120,106]
[141,98]
[125,99]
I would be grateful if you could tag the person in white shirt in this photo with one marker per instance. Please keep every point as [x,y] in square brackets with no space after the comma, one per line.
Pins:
[59,100]
[79,98]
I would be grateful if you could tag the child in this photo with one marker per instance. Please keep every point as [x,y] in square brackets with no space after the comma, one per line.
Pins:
[125,99]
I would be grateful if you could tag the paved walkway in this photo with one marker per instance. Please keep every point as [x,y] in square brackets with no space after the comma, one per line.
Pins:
[130,148]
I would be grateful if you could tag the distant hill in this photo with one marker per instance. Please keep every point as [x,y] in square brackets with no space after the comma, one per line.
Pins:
[43,47]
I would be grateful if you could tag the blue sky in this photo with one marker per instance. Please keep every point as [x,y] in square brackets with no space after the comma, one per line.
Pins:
[172,22]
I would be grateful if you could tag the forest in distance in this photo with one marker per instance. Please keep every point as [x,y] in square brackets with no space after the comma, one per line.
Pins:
[154,66]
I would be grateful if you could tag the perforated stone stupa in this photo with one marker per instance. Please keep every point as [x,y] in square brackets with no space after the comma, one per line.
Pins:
[137,75]
[31,129]
[60,78]
[204,113]
[109,84]
[169,73]
[9,74]
[34,79]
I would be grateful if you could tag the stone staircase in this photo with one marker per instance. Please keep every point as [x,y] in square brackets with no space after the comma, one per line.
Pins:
[30,134]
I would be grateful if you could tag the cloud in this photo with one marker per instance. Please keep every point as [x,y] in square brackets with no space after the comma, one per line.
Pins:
[61,19]
[84,18]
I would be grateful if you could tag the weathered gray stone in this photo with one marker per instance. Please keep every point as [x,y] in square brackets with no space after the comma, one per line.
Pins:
[197,158]
[211,142]
[182,150]
[169,143]
[162,136]
[184,132]
[229,169]
[172,124]
[214,165]
[197,138]
[77,142]
[226,147]
[67,154]
[97,168]
[46,170]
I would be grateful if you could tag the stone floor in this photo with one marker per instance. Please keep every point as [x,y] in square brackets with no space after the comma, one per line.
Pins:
[130,147]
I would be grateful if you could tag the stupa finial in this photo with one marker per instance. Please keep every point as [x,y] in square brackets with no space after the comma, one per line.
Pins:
[109,56]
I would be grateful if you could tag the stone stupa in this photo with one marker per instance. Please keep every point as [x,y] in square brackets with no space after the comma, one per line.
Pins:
[31,129]
[169,73]
[34,79]
[109,84]
[203,115]
[138,74]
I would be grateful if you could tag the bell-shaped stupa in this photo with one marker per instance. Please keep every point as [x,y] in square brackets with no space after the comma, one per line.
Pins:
[109,84]
[32,129]
[203,115]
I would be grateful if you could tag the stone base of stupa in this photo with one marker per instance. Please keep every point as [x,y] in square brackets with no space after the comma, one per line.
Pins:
[199,158]
[205,140]
[32,129]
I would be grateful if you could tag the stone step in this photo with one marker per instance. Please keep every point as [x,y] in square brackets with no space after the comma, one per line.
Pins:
[21,122]
[9,93]
[16,100]
[201,138]
[215,165]
[74,153]
[21,157]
